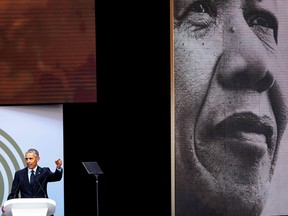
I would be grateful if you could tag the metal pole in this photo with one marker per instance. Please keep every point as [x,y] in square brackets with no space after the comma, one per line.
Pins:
[97,203]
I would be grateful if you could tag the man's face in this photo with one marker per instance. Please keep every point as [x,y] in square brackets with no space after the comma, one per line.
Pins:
[230,111]
[31,160]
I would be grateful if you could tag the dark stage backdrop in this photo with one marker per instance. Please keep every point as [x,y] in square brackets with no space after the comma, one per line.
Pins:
[128,130]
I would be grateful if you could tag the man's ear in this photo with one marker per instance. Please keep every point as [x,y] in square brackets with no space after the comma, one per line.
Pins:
[38,158]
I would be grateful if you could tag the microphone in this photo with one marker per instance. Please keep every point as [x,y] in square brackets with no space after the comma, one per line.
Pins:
[45,196]
[14,196]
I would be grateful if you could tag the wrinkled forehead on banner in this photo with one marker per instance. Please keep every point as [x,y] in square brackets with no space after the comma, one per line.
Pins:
[182,6]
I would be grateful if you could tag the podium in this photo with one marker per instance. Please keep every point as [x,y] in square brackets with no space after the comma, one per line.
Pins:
[29,207]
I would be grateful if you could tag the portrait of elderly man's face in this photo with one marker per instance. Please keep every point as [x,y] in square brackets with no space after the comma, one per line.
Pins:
[230,99]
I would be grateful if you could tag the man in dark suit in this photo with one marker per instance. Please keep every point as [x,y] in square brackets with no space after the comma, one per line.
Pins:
[34,186]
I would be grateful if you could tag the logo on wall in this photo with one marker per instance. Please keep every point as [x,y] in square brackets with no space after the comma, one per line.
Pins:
[11,160]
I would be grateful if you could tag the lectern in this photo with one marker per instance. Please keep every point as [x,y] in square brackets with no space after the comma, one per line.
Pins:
[29,207]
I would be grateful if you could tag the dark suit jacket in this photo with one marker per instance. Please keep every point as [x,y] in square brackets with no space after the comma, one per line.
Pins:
[42,177]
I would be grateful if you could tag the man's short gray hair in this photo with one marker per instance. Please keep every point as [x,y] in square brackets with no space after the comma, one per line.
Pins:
[33,151]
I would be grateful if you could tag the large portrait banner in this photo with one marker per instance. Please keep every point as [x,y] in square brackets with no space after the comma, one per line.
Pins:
[229,107]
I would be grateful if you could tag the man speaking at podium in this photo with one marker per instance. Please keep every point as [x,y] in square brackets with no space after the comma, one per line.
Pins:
[32,180]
